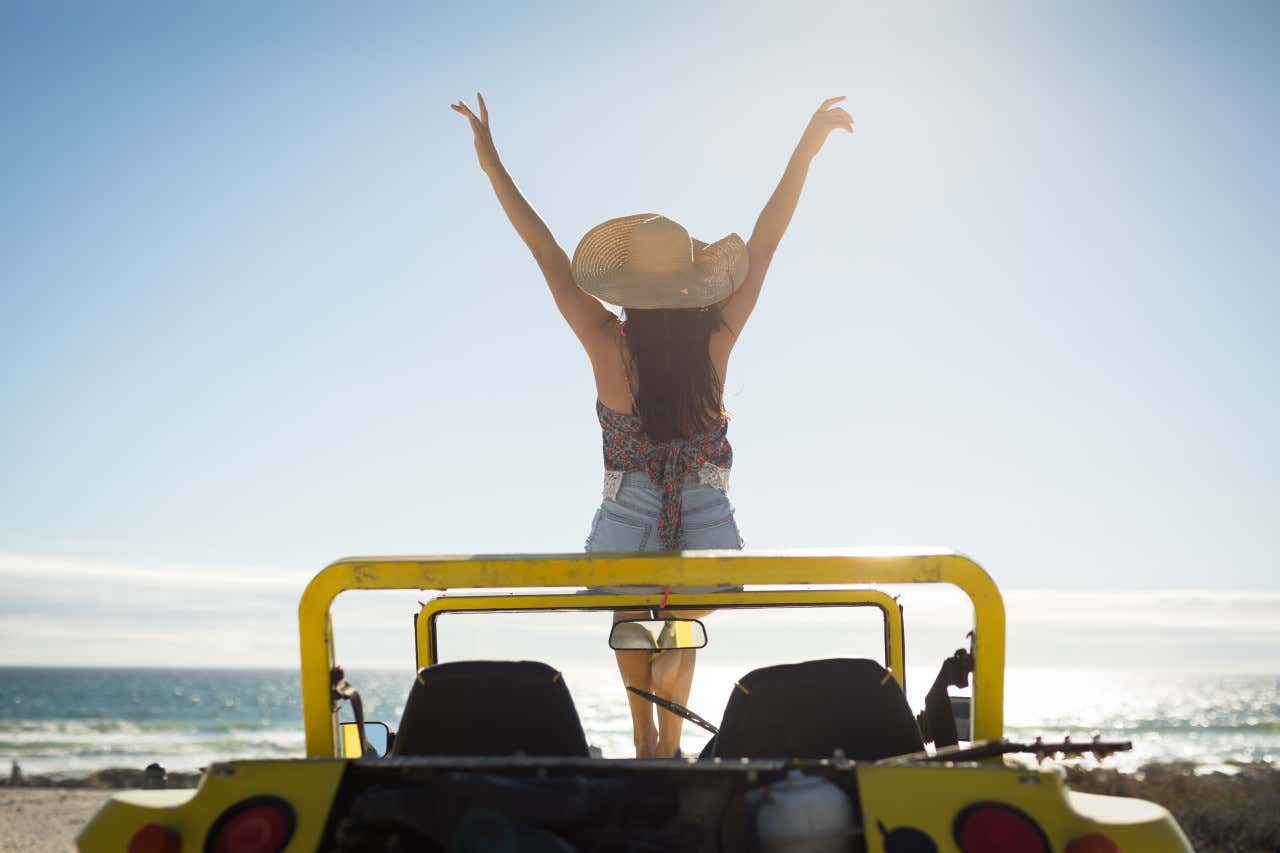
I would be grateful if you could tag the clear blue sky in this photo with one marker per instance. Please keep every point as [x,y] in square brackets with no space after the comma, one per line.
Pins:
[259,308]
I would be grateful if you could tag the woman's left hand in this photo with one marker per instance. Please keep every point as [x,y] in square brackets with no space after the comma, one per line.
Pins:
[826,119]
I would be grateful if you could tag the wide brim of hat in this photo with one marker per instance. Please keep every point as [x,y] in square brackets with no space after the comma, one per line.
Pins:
[599,263]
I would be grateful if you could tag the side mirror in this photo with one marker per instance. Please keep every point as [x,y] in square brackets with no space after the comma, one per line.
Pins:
[374,744]
[657,634]
[962,711]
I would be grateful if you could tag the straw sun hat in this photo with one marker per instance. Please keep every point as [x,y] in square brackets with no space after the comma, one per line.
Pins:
[650,261]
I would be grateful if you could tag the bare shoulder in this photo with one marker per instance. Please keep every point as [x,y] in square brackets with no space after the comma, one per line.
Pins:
[606,353]
[602,343]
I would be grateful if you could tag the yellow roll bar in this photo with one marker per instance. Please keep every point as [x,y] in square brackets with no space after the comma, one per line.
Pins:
[893,642]
[701,568]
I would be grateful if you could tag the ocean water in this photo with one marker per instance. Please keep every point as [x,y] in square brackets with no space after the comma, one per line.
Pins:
[71,721]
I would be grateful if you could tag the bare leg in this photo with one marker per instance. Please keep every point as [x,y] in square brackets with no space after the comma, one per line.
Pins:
[634,668]
[672,678]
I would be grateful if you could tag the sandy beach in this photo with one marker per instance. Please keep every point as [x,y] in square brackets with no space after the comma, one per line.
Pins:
[44,820]
[39,814]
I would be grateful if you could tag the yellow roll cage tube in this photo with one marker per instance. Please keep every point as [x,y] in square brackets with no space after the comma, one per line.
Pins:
[893,639]
[704,568]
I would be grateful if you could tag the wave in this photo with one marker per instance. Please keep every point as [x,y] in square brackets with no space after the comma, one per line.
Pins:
[1165,727]
[136,727]
[115,743]
[98,719]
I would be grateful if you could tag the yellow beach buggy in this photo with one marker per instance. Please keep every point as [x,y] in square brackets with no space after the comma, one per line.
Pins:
[822,753]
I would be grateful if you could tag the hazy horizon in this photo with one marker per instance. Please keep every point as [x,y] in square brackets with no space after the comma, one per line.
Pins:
[102,613]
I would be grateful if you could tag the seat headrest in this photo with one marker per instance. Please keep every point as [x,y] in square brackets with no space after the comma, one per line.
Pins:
[490,708]
[810,709]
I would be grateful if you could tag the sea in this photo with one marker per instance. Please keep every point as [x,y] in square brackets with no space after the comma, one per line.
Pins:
[66,721]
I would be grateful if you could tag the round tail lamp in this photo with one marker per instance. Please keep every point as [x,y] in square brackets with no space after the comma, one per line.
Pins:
[155,838]
[255,825]
[998,828]
[1093,843]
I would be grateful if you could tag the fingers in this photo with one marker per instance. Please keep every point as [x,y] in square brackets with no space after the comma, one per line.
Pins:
[484,111]
[833,119]
[842,119]
[462,109]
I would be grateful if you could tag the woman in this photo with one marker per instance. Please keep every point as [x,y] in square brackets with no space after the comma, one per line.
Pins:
[659,377]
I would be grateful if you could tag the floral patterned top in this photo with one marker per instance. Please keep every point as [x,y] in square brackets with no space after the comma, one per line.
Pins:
[627,448]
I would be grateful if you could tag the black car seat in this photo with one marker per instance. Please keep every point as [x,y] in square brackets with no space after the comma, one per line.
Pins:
[490,708]
[811,709]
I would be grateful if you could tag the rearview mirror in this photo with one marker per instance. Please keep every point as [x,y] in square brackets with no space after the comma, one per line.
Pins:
[657,634]
[376,738]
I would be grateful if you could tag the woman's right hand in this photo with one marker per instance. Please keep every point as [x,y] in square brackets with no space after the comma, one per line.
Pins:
[487,154]
[826,119]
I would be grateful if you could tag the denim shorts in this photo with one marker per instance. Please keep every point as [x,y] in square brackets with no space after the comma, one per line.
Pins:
[630,522]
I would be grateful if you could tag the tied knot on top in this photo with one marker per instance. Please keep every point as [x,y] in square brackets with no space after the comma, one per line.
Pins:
[627,448]
[676,463]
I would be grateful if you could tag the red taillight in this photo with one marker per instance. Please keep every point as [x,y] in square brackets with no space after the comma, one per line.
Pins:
[256,825]
[155,838]
[998,828]
[1093,843]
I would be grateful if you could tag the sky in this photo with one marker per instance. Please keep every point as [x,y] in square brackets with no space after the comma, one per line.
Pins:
[260,310]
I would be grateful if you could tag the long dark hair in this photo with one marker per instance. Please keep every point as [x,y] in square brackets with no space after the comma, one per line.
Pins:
[679,391]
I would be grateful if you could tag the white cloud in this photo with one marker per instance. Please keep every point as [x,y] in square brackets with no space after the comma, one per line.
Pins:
[189,576]
[1190,609]
[104,613]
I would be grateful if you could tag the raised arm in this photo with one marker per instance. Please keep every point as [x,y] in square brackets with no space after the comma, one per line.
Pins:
[777,212]
[585,315]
